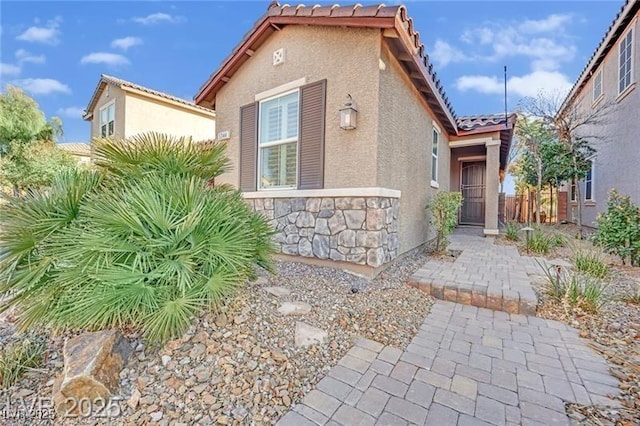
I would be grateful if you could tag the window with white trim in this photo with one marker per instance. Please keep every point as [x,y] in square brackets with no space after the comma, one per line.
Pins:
[597,86]
[107,120]
[434,156]
[278,141]
[625,55]
[588,183]
[573,190]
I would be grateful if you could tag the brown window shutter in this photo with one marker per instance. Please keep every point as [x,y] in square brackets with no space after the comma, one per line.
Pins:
[311,143]
[248,147]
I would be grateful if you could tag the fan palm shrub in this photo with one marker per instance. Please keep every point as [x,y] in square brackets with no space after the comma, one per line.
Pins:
[144,241]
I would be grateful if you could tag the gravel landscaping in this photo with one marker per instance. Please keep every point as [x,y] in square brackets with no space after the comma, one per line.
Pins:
[240,365]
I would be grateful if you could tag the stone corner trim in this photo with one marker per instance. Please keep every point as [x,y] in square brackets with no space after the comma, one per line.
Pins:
[357,229]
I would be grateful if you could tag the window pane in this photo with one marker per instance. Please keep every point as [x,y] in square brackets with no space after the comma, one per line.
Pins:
[111,129]
[111,111]
[434,168]
[279,118]
[435,143]
[278,165]
[103,131]
[103,116]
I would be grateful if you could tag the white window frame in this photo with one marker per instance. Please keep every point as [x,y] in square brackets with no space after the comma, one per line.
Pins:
[435,143]
[573,191]
[103,108]
[631,79]
[597,97]
[592,181]
[276,143]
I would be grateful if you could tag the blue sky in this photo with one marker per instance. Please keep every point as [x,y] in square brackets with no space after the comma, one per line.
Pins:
[57,50]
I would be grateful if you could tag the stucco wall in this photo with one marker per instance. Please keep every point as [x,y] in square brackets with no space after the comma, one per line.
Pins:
[348,59]
[618,153]
[109,94]
[405,128]
[146,114]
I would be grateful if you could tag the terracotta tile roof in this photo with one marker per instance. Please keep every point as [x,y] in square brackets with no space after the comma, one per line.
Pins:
[118,82]
[609,39]
[77,148]
[376,16]
[476,122]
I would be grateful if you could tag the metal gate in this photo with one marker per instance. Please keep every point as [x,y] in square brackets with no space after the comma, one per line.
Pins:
[473,191]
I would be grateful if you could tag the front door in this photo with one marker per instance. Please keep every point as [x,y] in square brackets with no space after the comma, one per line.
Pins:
[472,188]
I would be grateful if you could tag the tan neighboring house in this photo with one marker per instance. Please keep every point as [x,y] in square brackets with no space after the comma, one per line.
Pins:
[610,77]
[340,132]
[81,152]
[122,109]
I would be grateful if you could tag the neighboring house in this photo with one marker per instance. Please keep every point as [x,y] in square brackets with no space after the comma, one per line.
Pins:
[80,151]
[610,77]
[340,133]
[122,109]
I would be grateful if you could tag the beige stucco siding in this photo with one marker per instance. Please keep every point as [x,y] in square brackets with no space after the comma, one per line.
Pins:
[618,150]
[110,94]
[405,129]
[148,114]
[315,53]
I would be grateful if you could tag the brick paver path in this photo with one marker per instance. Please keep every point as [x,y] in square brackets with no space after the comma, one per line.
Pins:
[484,275]
[466,366]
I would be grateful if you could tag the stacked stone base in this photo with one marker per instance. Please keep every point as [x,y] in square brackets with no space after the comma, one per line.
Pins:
[358,230]
[511,301]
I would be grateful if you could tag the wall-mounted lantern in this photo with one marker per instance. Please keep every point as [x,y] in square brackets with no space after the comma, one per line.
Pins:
[348,114]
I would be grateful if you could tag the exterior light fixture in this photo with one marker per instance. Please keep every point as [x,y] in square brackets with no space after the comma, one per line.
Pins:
[348,114]
[528,230]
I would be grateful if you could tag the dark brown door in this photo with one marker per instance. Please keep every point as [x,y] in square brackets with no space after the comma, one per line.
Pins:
[472,188]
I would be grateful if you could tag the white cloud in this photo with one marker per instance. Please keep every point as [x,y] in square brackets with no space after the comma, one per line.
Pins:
[551,23]
[23,56]
[42,86]
[9,69]
[126,42]
[111,59]
[71,112]
[159,17]
[443,54]
[527,85]
[48,34]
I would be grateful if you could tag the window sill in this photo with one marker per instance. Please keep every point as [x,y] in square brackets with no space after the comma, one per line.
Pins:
[573,203]
[327,192]
[598,101]
[626,91]
[590,203]
[435,184]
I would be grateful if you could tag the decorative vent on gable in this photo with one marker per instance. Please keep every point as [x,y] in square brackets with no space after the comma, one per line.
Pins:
[278,57]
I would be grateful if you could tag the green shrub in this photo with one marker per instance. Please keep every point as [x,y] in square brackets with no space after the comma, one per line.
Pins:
[146,241]
[444,215]
[18,356]
[590,262]
[558,240]
[619,228]
[512,231]
[539,242]
[577,290]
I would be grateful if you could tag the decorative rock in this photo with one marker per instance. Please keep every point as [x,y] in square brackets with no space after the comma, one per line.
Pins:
[320,245]
[336,255]
[282,207]
[277,291]
[369,239]
[165,360]
[307,335]
[327,204]
[92,365]
[375,257]
[355,218]
[290,249]
[304,248]
[351,203]
[614,326]
[298,204]
[294,308]
[134,400]
[375,219]
[157,416]
[313,205]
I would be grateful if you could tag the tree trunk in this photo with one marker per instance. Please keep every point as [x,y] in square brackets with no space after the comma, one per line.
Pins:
[539,192]
[551,204]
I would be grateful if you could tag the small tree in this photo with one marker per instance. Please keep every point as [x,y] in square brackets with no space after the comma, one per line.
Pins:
[27,142]
[576,127]
[619,228]
[444,208]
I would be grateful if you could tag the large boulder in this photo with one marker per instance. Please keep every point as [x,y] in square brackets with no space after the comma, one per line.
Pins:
[92,365]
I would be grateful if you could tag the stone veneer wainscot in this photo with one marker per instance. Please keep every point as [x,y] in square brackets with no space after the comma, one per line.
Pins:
[358,225]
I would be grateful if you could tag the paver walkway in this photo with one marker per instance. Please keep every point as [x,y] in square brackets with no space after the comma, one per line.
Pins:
[484,275]
[475,362]
[466,366]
